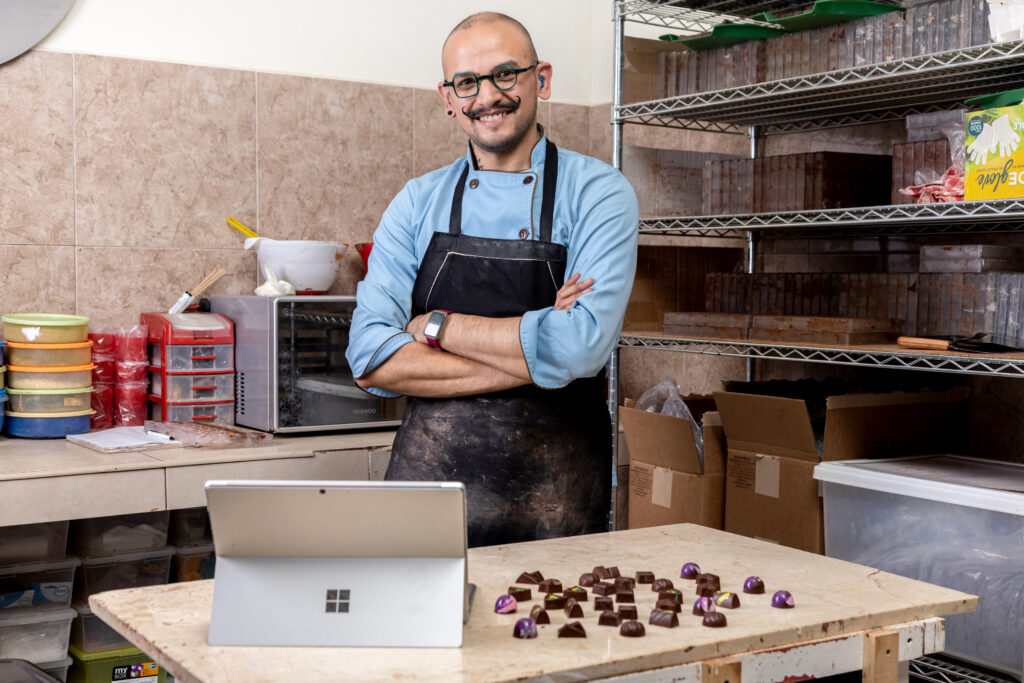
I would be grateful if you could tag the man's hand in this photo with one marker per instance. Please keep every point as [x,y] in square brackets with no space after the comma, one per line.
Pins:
[416,327]
[572,289]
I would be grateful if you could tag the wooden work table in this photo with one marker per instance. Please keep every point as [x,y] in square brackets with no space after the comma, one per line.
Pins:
[846,617]
[52,479]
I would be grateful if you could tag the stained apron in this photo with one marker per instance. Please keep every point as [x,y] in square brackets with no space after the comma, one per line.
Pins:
[536,462]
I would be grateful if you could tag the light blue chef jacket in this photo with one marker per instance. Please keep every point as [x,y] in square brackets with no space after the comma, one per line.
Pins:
[596,217]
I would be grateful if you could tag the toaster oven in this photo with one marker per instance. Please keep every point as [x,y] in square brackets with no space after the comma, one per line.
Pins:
[290,369]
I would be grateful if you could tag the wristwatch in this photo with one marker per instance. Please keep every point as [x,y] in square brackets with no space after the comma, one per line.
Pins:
[434,327]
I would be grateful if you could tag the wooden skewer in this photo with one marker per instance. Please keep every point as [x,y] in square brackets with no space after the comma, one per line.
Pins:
[207,282]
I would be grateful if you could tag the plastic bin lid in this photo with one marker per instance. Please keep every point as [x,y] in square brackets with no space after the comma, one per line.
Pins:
[954,479]
[39,566]
[120,653]
[82,607]
[76,413]
[48,347]
[37,616]
[59,664]
[51,368]
[49,392]
[22,671]
[197,549]
[45,319]
[114,558]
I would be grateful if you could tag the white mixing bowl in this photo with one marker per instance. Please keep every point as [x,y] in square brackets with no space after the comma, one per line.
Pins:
[310,266]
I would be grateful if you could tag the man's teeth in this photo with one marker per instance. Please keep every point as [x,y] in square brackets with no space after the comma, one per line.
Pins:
[492,117]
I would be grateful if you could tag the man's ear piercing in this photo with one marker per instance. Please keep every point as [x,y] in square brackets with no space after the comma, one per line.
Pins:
[542,81]
[451,113]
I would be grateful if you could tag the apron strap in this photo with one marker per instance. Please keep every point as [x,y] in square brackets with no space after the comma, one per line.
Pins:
[547,206]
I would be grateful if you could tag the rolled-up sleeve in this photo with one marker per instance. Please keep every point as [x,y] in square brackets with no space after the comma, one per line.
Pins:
[384,296]
[561,346]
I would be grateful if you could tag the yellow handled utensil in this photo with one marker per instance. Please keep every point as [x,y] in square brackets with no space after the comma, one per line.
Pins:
[240,227]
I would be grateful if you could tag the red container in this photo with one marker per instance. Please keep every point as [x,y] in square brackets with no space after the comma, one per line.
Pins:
[103,405]
[130,343]
[102,342]
[103,373]
[364,249]
[130,404]
[132,371]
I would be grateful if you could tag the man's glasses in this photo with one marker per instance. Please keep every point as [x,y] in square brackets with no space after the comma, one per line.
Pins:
[503,78]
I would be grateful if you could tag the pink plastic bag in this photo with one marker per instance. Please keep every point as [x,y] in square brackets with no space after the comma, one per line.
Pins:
[103,405]
[130,409]
[130,343]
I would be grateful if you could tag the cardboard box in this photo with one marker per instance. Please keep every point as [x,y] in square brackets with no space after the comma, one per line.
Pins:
[666,482]
[770,491]
[1000,176]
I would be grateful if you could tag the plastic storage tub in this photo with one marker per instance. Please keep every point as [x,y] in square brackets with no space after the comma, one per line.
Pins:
[37,584]
[123,570]
[3,412]
[126,664]
[3,372]
[193,387]
[190,358]
[48,400]
[49,355]
[47,425]
[58,669]
[948,520]
[29,377]
[89,633]
[190,526]
[193,563]
[45,328]
[120,533]
[33,542]
[35,635]
[223,413]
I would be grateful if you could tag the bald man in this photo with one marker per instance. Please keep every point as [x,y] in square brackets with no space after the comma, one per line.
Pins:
[495,294]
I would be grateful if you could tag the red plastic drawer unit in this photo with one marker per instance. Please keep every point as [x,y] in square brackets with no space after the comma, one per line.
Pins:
[223,412]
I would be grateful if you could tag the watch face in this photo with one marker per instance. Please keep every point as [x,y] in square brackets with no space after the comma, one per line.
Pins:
[433,326]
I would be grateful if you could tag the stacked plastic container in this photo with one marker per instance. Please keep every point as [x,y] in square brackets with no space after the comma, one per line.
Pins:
[131,376]
[102,377]
[194,559]
[3,390]
[36,578]
[49,375]
[191,367]
[124,551]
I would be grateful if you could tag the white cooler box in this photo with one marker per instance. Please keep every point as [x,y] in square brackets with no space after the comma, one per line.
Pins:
[949,520]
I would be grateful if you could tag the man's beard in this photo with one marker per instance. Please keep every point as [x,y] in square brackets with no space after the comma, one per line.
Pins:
[512,139]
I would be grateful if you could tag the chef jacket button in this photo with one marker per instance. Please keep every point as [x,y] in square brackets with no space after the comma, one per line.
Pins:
[527,180]
[524,233]
[473,183]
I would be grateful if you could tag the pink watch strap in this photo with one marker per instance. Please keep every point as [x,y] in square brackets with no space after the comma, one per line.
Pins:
[434,344]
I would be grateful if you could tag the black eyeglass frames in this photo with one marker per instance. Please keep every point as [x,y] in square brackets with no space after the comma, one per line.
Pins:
[468,84]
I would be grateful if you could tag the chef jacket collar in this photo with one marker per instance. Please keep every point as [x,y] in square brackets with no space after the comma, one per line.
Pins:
[537,155]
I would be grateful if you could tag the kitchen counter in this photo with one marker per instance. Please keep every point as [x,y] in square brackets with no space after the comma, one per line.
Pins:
[846,617]
[53,479]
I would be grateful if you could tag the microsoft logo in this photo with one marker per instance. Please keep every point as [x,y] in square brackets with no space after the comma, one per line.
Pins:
[337,600]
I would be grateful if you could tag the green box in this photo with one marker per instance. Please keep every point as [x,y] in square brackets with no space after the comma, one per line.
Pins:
[111,666]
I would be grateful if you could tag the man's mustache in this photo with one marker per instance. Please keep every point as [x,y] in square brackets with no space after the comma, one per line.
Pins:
[501,106]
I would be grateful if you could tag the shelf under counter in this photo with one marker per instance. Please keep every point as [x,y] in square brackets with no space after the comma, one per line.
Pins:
[868,355]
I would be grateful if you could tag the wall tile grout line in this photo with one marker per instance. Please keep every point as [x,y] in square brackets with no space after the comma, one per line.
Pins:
[74,182]
[256,126]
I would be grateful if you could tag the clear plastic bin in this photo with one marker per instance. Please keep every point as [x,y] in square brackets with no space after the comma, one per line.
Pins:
[194,563]
[48,400]
[37,584]
[89,633]
[120,533]
[33,542]
[186,358]
[951,521]
[190,526]
[58,669]
[128,663]
[223,413]
[123,570]
[35,635]
[194,387]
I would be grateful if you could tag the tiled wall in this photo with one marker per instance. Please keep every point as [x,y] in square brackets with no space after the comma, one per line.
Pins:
[117,175]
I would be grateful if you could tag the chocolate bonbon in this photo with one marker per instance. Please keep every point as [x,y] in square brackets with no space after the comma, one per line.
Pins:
[530,577]
[572,630]
[628,611]
[727,600]
[709,578]
[661,585]
[613,573]
[632,629]
[576,593]
[573,609]
[525,628]
[690,570]
[660,617]
[602,603]
[671,594]
[609,618]
[624,595]
[703,605]
[540,615]
[554,601]
[601,572]
[520,594]
[753,585]
[550,586]
[624,582]
[602,588]
[505,604]
[714,620]
[587,580]
[668,605]
[783,599]
[644,577]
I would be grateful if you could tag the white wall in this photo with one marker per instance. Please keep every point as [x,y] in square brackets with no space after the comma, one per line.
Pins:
[394,42]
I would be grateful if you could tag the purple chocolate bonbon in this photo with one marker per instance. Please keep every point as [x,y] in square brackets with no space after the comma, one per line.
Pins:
[753,585]
[703,605]
[783,599]
[689,570]
[525,628]
[505,604]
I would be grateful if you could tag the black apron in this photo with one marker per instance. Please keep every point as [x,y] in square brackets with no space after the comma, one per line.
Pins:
[536,463]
